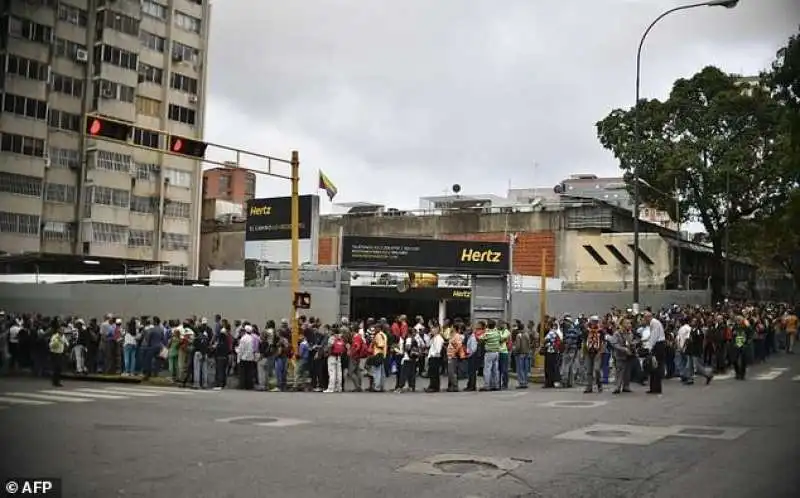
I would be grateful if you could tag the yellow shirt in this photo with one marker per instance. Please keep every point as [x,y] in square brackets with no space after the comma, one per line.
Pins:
[379,344]
[790,322]
[57,344]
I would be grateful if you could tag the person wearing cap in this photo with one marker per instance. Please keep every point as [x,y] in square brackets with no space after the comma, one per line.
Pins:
[593,347]
[570,357]
[246,353]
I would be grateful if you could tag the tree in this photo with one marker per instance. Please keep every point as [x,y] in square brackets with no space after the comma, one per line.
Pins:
[718,139]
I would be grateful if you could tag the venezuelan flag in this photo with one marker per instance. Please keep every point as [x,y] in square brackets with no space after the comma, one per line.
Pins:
[327,185]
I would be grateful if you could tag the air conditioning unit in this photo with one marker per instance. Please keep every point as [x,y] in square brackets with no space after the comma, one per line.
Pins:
[81,55]
[192,99]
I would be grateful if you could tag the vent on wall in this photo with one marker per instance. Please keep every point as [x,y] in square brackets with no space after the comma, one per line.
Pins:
[644,257]
[617,254]
[595,255]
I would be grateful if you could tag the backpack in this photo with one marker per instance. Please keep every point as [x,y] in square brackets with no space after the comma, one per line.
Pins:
[338,348]
[593,340]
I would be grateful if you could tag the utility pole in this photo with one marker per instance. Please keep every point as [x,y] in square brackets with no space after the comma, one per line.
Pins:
[680,236]
[727,231]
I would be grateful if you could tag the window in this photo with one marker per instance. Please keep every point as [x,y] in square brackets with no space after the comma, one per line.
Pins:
[183,83]
[152,41]
[58,192]
[111,196]
[119,57]
[644,257]
[64,158]
[617,254]
[182,114]
[113,161]
[146,138]
[146,205]
[108,233]
[198,2]
[175,209]
[67,85]
[148,107]
[72,15]
[223,184]
[146,171]
[187,22]
[175,271]
[174,241]
[24,106]
[27,68]
[12,183]
[18,144]
[595,255]
[64,120]
[154,9]
[184,53]
[25,224]
[119,22]
[140,238]
[58,231]
[178,177]
[29,30]
[150,74]
[250,186]
[115,91]
[68,49]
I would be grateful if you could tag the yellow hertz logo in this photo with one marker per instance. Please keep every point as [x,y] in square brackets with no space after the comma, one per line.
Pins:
[473,256]
[260,210]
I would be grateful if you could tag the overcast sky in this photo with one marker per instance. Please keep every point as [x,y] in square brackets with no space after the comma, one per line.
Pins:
[397,99]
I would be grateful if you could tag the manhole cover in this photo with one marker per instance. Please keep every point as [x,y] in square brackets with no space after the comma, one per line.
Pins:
[701,432]
[608,433]
[576,403]
[463,466]
[252,420]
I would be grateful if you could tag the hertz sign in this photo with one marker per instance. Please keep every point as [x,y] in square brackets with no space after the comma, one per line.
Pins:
[271,218]
[451,256]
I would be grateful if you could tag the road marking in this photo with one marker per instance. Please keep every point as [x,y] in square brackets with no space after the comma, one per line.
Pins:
[796,378]
[725,376]
[20,401]
[49,397]
[135,394]
[154,391]
[772,374]
[83,394]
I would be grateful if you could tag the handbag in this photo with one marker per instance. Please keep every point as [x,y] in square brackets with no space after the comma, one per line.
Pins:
[164,353]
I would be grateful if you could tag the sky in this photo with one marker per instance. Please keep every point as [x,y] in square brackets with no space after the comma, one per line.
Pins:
[398,99]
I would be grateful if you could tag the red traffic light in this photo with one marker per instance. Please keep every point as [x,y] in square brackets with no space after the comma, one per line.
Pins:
[111,130]
[187,147]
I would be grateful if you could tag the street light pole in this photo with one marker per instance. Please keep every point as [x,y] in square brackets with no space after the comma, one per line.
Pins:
[635,167]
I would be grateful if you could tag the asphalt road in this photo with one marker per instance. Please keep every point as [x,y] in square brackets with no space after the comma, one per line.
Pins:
[729,439]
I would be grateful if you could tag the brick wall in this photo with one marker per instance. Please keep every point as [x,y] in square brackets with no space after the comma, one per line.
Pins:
[527,252]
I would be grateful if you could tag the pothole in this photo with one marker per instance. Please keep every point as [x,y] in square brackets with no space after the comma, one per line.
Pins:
[697,431]
[608,433]
[252,420]
[463,466]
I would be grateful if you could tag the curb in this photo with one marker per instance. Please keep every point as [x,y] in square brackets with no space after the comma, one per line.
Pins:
[111,379]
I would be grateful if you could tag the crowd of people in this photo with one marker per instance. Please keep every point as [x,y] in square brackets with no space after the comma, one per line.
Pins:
[618,348]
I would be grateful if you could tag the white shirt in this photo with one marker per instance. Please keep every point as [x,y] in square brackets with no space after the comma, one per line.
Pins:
[437,343]
[13,334]
[656,334]
[246,350]
[683,334]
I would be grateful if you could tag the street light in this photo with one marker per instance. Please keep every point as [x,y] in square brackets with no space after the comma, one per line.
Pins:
[728,4]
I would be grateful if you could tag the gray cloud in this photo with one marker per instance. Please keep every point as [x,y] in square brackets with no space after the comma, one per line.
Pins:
[418,94]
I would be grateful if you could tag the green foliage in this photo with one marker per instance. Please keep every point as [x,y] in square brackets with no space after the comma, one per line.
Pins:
[718,139]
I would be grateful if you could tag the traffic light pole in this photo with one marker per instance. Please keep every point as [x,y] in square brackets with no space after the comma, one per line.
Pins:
[96,126]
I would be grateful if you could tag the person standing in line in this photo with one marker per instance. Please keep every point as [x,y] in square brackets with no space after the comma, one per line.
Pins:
[57,346]
[84,338]
[790,323]
[472,355]
[246,354]
[503,356]
[435,359]
[358,353]
[379,350]
[622,347]
[551,346]
[594,346]
[740,340]
[455,353]
[221,348]
[570,358]
[491,357]
[522,351]
[336,349]
[656,344]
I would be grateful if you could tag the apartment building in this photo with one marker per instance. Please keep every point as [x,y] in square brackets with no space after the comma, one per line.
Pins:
[229,184]
[139,61]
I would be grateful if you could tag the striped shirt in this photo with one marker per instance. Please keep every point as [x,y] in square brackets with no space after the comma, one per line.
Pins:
[491,340]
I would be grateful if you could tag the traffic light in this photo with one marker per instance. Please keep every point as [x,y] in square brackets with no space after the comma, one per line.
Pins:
[302,300]
[111,130]
[187,147]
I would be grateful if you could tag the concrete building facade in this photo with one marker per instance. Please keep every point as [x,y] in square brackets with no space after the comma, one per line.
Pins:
[143,62]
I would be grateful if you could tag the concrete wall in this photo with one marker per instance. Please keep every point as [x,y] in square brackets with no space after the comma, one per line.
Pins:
[95,300]
[525,305]
[580,271]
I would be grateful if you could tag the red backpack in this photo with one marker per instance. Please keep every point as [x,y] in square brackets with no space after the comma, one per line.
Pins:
[338,348]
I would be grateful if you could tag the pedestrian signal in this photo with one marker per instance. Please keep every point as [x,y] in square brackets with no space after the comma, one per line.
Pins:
[302,300]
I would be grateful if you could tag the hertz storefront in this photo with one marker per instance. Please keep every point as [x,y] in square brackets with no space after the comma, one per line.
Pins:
[428,277]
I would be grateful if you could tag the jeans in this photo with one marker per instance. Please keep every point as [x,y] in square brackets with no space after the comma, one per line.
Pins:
[491,377]
[334,374]
[569,367]
[377,377]
[129,356]
[199,370]
[680,364]
[503,368]
[692,365]
[263,373]
[605,362]
[280,372]
[80,359]
[593,371]
[523,369]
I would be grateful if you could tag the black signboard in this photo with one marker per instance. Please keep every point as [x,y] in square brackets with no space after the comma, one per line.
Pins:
[271,219]
[468,257]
